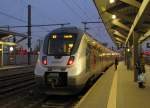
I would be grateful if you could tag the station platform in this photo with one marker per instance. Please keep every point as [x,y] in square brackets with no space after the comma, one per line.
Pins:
[117,89]
[13,67]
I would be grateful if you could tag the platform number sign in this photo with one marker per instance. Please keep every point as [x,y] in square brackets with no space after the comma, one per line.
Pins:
[148,45]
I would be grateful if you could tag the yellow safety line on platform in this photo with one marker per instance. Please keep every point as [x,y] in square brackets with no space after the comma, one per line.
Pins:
[113,93]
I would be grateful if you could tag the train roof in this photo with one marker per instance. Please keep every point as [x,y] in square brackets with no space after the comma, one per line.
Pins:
[67,29]
[76,30]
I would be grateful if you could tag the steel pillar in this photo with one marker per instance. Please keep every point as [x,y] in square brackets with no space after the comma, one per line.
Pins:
[29,34]
[135,54]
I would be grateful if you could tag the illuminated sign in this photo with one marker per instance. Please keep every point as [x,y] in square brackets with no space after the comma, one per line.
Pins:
[67,36]
[60,36]
[147,52]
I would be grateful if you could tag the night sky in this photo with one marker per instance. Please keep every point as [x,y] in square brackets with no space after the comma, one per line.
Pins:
[14,12]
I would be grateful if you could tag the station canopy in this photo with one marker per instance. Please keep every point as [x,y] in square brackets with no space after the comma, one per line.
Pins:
[122,18]
[5,34]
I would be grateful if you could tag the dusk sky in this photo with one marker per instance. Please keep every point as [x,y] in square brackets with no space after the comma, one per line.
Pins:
[14,12]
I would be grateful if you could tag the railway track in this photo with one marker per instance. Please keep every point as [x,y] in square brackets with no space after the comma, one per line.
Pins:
[14,83]
[40,101]
[19,81]
[16,80]
[57,102]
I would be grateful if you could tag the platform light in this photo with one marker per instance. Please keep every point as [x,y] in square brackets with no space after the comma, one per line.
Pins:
[128,50]
[113,16]
[94,42]
[11,49]
[111,1]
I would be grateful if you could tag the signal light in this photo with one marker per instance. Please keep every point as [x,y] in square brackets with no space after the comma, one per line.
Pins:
[44,60]
[71,60]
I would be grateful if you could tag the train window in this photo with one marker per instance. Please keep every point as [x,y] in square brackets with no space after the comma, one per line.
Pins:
[61,44]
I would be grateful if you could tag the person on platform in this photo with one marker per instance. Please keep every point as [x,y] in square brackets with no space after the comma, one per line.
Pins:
[116,63]
[140,71]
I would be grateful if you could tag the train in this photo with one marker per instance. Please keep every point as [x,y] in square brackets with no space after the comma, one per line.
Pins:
[69,59]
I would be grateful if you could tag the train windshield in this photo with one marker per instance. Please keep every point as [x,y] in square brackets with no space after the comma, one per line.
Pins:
[61,44]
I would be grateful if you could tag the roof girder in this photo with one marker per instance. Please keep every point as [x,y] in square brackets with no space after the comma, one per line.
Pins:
[121,41]
[119,34]
[13,33]
[143,9]
[132,3]
[121,25]
[145,37]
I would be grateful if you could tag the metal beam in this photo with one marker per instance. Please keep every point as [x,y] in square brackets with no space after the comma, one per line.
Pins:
[121,25]
[116,36]
[145,37]
[118,39]
[8,43]
[119,34]
[132,3]
[18,41]
[13,33]
[5,38]
[145,5]
[119,42]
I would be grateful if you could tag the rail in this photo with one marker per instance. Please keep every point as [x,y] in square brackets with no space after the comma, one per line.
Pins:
[15,80]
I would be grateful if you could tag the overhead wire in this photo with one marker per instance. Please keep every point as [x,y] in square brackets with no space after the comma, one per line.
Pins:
[70,8]
[89,6]
[84,12]
[21,20]
[43,28]
[13,17]
[90,2]
[41,12]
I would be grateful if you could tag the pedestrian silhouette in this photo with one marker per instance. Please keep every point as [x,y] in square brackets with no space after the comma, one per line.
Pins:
[141,70]
[116,63]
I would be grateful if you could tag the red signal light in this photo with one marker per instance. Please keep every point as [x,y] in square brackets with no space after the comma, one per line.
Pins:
[71,60]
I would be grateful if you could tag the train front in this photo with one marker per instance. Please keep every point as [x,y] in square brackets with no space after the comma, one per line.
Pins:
[58,69]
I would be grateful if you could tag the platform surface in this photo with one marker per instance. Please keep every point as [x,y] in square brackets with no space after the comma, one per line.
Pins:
[13,66]
[117,89]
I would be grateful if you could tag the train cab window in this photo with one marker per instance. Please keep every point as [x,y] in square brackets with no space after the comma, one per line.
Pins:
[61,44]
